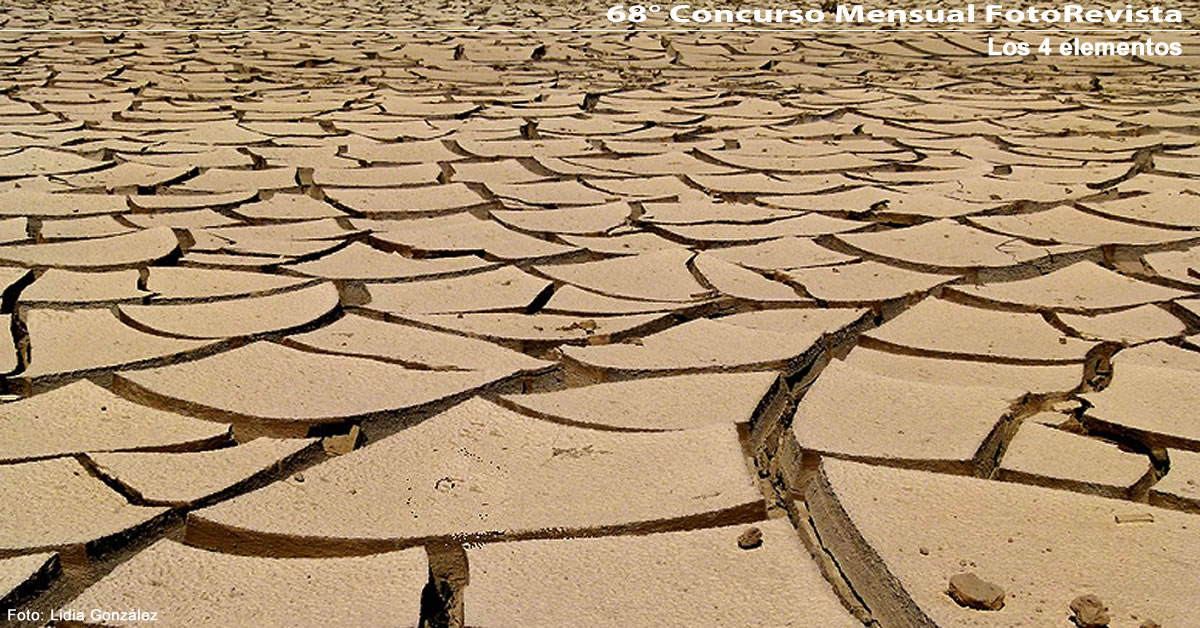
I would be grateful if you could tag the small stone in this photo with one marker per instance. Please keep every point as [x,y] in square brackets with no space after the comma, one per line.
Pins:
[299,477]
[1149,623]
[972,591]
[1140,517]
[924,551]
[1089,612]
[750,539]
[343,443]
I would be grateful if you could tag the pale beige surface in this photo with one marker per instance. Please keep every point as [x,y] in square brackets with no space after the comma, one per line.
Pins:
[487,469]
[1049,457]
[359,335]
[1181,486]
[65,286]
[926,245]
[658,276]
[184,478]
[259,381]
[73,341]
[135,248]
[1061,546]
[541,327]
[1132,326]
[899,420]
[679,579]
[708,345]
[1081,287]
[506,288]
[782,254]
[174,282]
[82,416]
[73,508]
[686,187]
[1034,378]
[1156,402]
[737,281]
[191,587]
[864,282]
[947,329]
[236,317]
[656,403]
[360,261]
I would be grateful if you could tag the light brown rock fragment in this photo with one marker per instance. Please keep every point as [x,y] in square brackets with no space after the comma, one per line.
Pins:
[1081,287]
[897,420]
[487,470]
[179,479]
[131,249]
[971,591]
[1087,611]
[1042,546]
[680,402]
[82,417]
[236,317]
[169,577]
[505,288]
[56,504]
[750,538]
[946,329]
[264,381]
[676,579]
[1050,457]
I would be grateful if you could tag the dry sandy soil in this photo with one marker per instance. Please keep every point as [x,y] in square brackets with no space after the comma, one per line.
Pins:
[570,328]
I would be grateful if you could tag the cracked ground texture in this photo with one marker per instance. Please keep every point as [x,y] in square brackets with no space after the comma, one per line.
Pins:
[359,327]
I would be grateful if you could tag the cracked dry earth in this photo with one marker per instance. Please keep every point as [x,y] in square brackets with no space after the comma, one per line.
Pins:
[591,329]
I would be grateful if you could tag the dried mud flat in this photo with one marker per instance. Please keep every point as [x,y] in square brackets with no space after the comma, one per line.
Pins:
[576,328]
